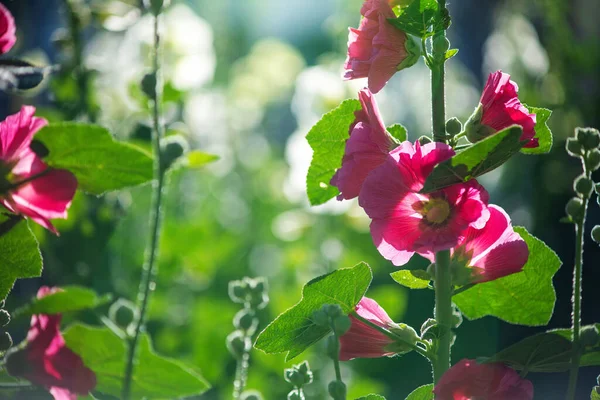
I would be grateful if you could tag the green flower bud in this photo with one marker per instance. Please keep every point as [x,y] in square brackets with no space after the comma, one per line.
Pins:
[574,208]
[295,395]
[123,313]
[320,318]
[156,6]
[592,160]
[573,147]
[333,310]
[293,376]
[441,44]
[589,138]
[238,344]
[245,320]
[341,324]
[4,317]
[596,233]
[589,336]
[171,149]
[583,186]
[238,291]
[453,126]
[337,390]
[333,347]
[407,334]
[6,341]
[148,85]
[251,395]
[259,298]
[423,140]
[474,130]
[304,369]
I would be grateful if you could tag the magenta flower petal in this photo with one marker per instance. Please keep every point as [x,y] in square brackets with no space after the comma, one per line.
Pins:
[495,381]
[8,30]
[17,131]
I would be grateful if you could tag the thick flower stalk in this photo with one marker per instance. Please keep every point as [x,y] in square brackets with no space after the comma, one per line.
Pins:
[28,186]
[366,148]
[8,30]
[48,362]
[469,380]
[405,221]
[500,108]
[377,50]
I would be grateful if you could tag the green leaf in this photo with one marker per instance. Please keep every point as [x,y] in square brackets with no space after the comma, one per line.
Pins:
[154,377]
[412,279]
[476,160]
[70,298]
[590,356]
[398,132]
[422,18]
[20,75]
[422,393]
[542,131]
[198,159]
[19,253]
[372,397]
[451,53]
[294,331]
[328,141]
[544,352]
[524,298]
[594,395]
[100,163]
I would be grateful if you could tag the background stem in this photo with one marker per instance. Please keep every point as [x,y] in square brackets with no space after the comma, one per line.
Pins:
[150,268]
[443,313]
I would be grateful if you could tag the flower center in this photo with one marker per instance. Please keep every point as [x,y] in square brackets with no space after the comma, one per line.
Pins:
[436,211]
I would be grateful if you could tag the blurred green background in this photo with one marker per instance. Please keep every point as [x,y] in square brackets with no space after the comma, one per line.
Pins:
[246,80]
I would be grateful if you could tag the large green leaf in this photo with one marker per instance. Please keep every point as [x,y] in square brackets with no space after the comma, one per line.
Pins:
[19,253]
[398,132]
[294,330]
[422,393]
[372,397]
[154,377]
[412,279]
[100,163]
[328,141]
[421,18]
[542,131]
[524,298]
[69,298]
[476,160]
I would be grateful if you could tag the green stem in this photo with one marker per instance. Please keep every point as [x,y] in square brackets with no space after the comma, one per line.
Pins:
[241,375]
[443,313]
[576,317]
[336,359]
[150,269]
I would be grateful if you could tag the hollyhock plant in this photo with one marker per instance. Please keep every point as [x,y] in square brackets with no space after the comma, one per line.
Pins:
[405,221]
[46,361]
[364,341]
[8,30]
[500,108]
[468,380]
[27,185]
[489,253]
[377,50]
[366,148]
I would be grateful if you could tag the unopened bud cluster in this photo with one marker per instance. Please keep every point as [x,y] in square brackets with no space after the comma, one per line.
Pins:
[124,314]
[299,375]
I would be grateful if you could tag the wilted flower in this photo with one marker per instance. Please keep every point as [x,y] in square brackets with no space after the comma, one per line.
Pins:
[27,185]
[377,50]
[46,360]
[405,221]
[366,148]
[500,108]
[8,30]
[469,380]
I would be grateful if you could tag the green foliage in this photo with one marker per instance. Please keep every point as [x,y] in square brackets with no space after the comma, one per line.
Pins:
[372,397]
[422,18]
[398,132]
[412,279]
[198,159]
[328,140]
[424,392]
[484,156]
[542,131]
[100,163]
[69,298]
[154,377]
[524,298]
[294,330]
[594,395]
[19,253]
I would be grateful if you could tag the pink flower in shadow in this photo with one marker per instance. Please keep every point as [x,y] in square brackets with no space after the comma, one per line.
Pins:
[8,30]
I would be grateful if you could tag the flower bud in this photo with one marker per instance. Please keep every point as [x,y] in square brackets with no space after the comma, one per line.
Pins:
[423,140]
[596,233]
[4,317]
[332,310]
[441,44]
[320,318]
[573,147]
[592,160]
[123,313]
[574,208]
[237,291]
[583,186]
[251,395]
[258,296]
[407,334]
[238,344]
[156,6]
[589,138]
[148,85]
[293,376]
[171,149]
[295,395]
[245,320]
[333,347]
[341,324]
[6,341]
[453,126]
[589,336]
[337,390]
[304,369]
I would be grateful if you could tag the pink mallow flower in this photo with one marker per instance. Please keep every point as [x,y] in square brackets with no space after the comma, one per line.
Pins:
[468,380]
[8,30]
[46,361]
[489,253]
[364,341]
[377,50]
[500,108]
[366,148]
[27,185]
[405,221]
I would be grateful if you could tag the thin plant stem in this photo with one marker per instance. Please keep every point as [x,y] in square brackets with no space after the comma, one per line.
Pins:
[576,299]
[150,269]
[241,375]
[443,313]
[336,359]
